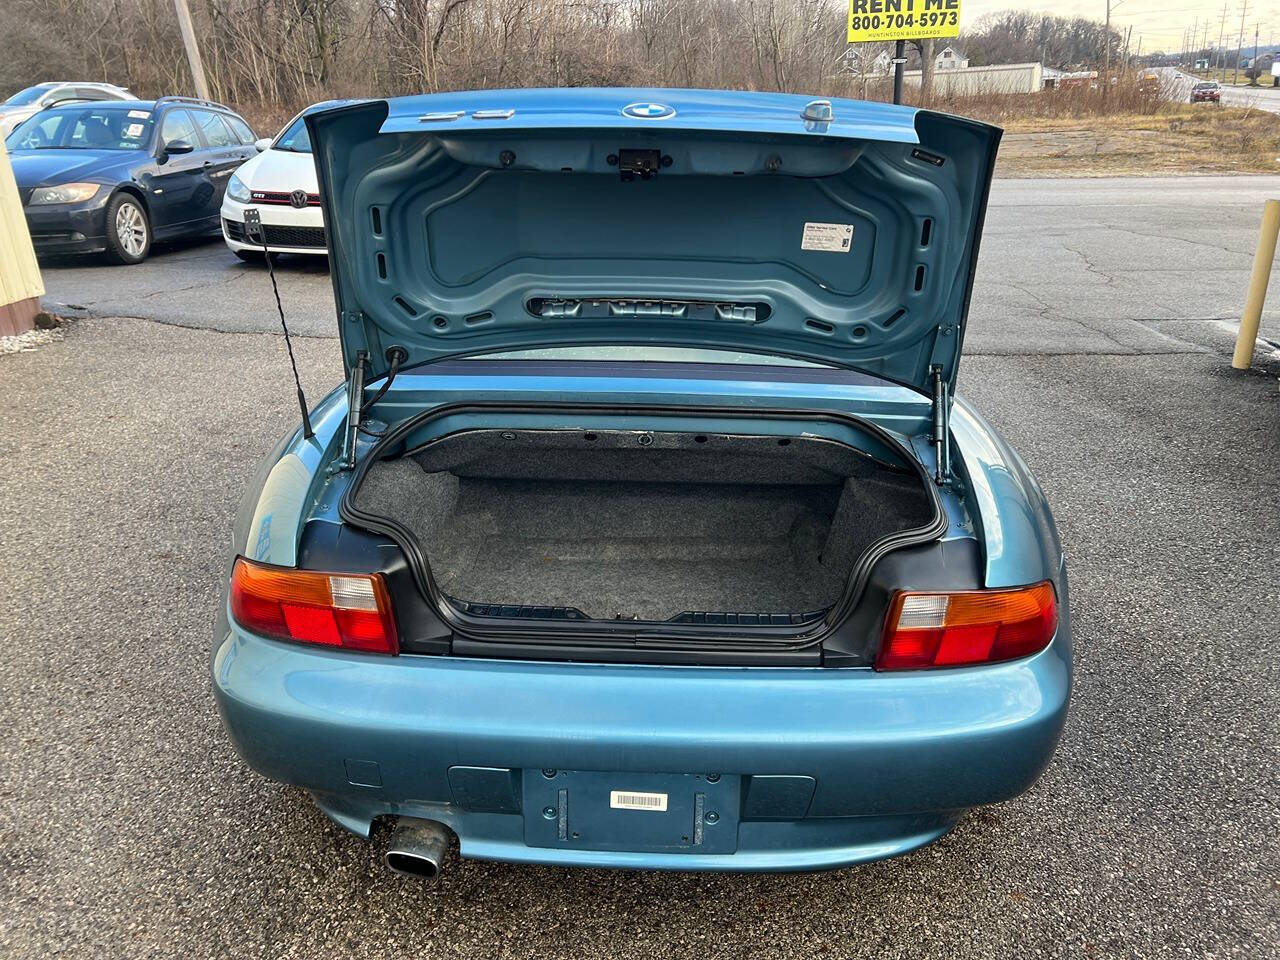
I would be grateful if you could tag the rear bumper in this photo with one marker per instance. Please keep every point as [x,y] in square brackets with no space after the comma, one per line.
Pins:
[894,758]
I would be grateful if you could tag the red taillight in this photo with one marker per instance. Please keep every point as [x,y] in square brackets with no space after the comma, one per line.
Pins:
[347,610]
[925,630]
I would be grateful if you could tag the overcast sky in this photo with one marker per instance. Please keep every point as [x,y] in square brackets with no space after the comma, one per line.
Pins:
[1160,24]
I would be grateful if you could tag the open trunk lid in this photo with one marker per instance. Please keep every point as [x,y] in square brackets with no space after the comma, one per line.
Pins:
[840,232]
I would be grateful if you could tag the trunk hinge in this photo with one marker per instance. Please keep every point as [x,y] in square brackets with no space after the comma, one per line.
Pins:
[355,399]
[941,428]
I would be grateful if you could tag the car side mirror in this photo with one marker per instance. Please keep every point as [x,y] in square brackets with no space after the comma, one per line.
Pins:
[174,148]
[262,144]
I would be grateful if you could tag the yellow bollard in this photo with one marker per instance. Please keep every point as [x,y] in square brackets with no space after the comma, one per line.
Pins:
[1257,295]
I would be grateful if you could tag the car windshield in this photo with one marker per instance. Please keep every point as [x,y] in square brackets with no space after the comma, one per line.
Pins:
[84,127]
[296,139]
[24,97]
[1205,86]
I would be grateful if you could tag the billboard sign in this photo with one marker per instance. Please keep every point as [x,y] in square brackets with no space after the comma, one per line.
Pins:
[874,21]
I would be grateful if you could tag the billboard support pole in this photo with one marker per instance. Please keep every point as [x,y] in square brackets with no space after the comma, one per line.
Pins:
[899,55]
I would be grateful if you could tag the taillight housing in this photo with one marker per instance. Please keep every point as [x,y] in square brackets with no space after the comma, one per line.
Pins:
[927,630]
[351,611]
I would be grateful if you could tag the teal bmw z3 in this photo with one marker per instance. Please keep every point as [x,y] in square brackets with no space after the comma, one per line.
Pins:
[647,529]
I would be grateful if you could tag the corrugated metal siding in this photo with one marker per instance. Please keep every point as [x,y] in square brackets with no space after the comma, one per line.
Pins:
[997,78]
[19,272]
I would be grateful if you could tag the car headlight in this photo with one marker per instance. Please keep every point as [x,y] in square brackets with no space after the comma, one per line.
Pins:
[237,190]
[65,193]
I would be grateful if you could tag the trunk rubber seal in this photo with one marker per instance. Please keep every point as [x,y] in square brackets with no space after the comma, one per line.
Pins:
[640,635]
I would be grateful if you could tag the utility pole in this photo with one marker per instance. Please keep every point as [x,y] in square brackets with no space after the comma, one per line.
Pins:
[1255,53]
[193,52]
[1222,26]
[1244,9]
[1106,43]
[1106,56]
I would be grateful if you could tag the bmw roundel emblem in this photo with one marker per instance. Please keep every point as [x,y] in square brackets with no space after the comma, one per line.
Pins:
[648,111]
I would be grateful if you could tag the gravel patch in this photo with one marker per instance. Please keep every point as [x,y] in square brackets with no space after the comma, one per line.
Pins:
[22,342]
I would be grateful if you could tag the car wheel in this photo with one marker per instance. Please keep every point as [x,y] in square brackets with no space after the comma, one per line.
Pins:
[128,230]
[249,256]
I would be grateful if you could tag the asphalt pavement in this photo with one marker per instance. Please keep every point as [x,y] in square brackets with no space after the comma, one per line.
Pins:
[129,828]
[1262,97]
[1067,266]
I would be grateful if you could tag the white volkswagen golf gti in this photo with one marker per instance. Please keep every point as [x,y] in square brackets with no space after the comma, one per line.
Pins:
[280,182]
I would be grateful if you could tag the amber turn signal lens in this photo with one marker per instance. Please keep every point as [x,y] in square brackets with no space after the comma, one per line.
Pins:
[926,630]
[346,610]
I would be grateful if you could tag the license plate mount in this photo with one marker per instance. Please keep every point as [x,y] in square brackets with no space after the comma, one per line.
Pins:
[631,812]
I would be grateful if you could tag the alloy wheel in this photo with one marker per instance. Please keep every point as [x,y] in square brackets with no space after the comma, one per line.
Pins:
[131,229]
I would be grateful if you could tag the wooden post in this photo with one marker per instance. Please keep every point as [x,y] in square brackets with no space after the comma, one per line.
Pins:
[193,51]
[1257,295]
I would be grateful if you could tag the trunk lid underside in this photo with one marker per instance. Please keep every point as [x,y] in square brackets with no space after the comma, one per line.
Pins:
[471,223]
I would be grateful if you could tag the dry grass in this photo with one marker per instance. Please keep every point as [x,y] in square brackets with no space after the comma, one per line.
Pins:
[1181,138]
[1128,130]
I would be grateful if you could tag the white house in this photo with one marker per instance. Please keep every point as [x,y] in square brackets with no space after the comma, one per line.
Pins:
[860,63]
[949,58]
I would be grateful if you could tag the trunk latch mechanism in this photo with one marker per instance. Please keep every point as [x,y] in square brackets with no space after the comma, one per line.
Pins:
[639,163]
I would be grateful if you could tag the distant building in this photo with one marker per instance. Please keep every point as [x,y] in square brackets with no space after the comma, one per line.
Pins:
[950,58]
[860,63]
[1202,64]
[996,78]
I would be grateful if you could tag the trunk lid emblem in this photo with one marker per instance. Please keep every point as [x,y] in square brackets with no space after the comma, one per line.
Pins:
[648,111]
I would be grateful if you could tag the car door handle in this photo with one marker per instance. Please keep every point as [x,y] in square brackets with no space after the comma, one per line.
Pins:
[208,163]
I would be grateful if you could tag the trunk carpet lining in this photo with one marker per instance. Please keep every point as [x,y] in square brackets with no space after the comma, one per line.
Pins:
[639,548]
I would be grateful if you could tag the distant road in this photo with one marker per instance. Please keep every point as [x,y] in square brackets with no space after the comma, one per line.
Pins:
[1260,98]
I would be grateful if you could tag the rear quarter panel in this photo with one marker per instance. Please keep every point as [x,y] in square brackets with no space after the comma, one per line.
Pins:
[1019,536]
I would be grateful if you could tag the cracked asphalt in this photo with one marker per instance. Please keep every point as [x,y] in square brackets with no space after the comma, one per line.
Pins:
[129,828]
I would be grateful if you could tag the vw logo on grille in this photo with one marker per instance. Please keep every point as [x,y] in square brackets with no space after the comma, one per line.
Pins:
[648,111]
[298,198]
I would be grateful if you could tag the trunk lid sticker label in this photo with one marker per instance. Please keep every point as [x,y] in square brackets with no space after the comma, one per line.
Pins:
[831,237]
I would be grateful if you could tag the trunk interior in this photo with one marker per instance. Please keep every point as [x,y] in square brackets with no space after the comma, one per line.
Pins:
[638,525]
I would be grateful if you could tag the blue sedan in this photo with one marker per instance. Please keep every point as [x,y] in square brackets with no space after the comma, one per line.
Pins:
[646,529]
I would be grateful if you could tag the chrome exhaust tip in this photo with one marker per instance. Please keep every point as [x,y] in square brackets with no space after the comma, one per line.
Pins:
[418,848]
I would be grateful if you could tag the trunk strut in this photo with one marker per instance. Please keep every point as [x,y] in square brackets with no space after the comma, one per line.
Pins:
[355,400]
[941,428]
